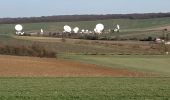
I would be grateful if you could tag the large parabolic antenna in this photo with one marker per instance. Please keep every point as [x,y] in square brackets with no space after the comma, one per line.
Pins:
[118,27]
[18,28]
[82,30]
[67,29]
[95,30]
[42,31]
[99,28]
[76,29]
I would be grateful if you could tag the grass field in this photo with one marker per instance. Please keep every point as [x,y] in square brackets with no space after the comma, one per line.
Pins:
[90,88]
[84,46]
[84,88]
[126,25]
[56,46]
[158,64]
[129,29]
[88,53]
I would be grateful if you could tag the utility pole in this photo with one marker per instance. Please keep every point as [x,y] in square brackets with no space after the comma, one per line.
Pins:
[165,40]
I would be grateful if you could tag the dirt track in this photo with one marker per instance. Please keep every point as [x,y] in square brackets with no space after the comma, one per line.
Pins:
[13,66]
[161,28]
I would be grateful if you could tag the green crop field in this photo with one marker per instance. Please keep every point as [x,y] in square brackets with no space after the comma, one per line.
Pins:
[94,52]
[84,88]
[158,64]
[105,88]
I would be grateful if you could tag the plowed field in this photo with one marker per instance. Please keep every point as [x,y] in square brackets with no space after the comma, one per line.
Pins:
[14,66]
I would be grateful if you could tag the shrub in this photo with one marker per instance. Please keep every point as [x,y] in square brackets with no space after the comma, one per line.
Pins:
[34,50]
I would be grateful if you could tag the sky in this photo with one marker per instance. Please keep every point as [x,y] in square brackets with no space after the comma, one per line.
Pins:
[35,8]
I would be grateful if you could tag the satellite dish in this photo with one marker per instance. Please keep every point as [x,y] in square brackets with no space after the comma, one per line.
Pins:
[21,33]
[42,31]
[99,28]
[76,29]
[95,30]
[118,27]
[82,30]
[67,29]
[18,27]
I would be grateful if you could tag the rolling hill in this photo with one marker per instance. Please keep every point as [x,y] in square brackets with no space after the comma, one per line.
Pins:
[126,25]
[130,28]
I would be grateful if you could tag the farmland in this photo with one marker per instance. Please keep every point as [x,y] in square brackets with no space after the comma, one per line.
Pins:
[86,46]
[84,88]
[150,63]
[44,78]
[130,29]
[88,69]
[50,67]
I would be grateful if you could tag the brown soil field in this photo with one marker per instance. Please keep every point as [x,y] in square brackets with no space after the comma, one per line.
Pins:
[14,66]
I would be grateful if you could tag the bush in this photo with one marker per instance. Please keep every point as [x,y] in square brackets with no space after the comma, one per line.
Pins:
[34,50]
[148,39]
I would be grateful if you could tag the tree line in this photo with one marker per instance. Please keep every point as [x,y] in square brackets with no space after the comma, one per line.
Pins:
[70,18]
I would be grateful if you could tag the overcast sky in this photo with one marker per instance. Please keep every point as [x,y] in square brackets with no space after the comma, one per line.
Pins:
[27,8]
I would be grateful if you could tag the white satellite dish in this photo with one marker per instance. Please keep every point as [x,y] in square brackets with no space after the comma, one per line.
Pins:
[67,29]
[42,31]
[22,33]
[18,27]
[94,29]
[76,29]
[82,30]
[99,28]
[116,30]
[118,27]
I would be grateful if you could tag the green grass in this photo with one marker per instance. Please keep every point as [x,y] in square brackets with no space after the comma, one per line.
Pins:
[126,25]
[84,88]
[59,47]
[129,29]
[136,34]
[78,46]
[92,88]
[158,64]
